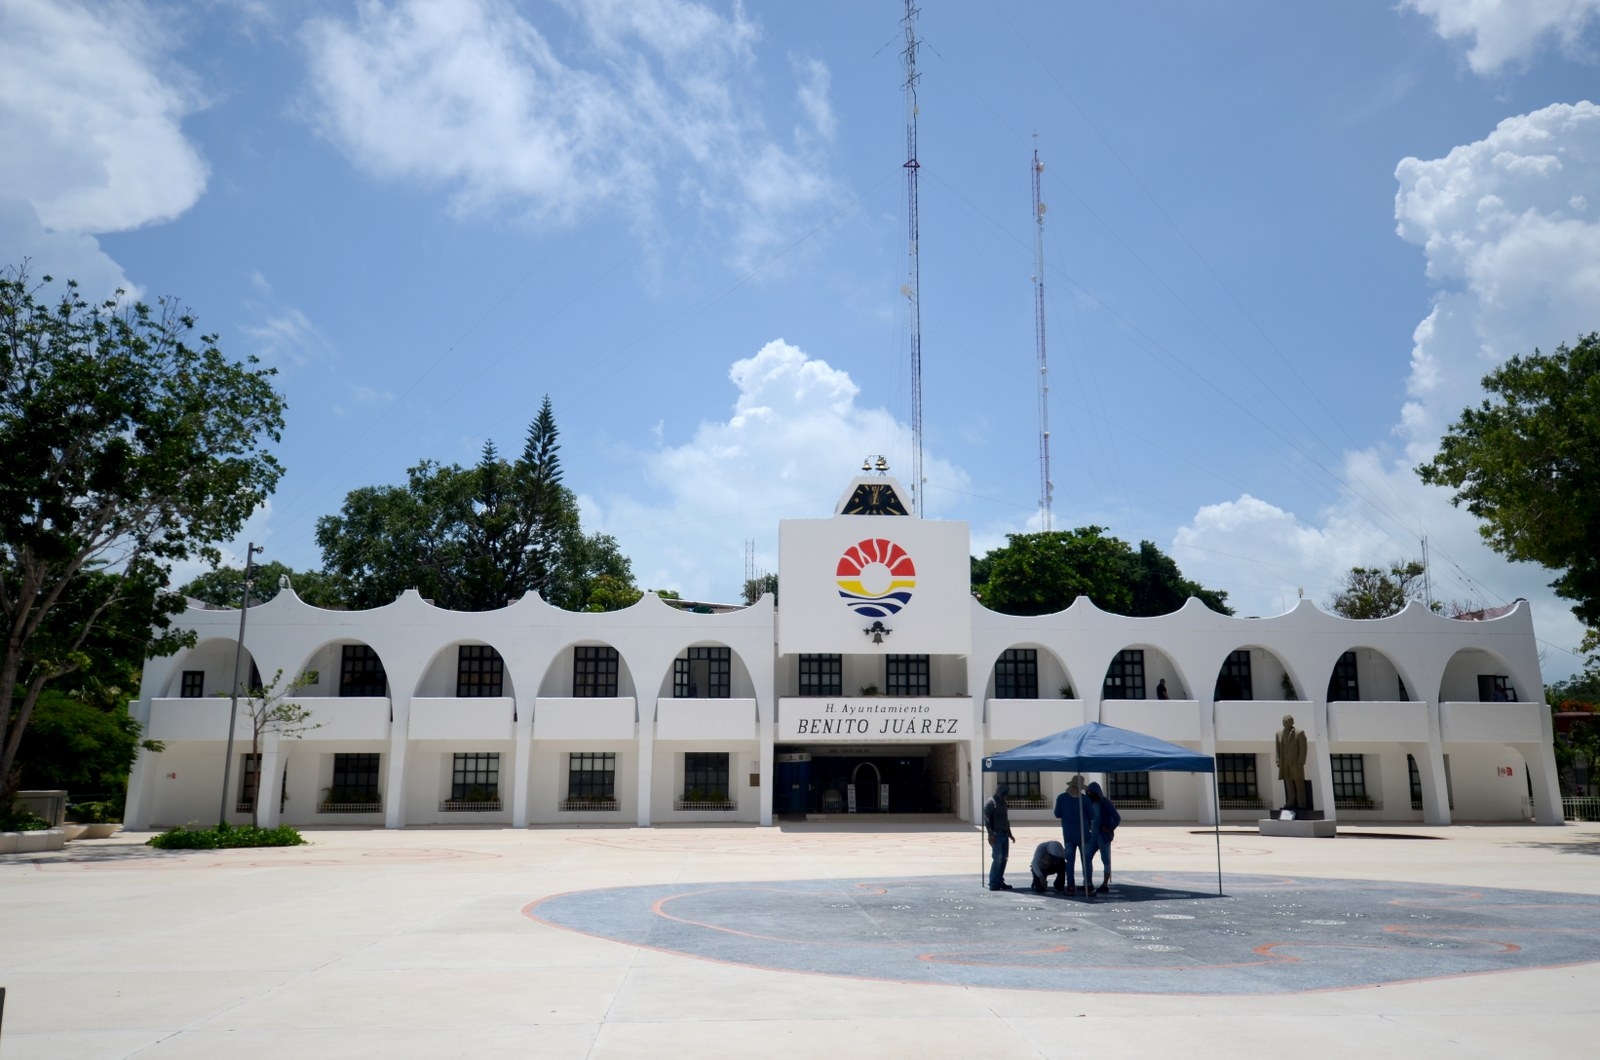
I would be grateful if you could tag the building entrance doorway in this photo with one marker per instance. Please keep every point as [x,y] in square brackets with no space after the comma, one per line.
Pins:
[870,779]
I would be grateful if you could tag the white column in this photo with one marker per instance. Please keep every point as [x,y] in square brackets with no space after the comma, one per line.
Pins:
[1431,771]
[394,792]
[646,744]
[1323,800]
[269,785]
[1205,783]
[141,782]
[766,731]
[522,770]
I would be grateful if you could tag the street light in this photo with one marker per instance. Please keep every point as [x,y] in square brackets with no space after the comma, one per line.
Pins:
[233,702]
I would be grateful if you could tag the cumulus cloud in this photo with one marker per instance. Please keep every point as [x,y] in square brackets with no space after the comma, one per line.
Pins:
[1509,31]
[793,439]
[89,91]
[546,121]
[1511,240]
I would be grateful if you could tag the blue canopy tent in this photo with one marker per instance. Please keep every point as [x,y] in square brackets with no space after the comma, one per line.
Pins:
[1099,748]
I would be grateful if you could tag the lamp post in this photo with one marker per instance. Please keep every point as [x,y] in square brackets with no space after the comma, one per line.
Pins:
[233,701]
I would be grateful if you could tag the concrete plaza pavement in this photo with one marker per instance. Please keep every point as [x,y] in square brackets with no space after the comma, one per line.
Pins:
[429,943]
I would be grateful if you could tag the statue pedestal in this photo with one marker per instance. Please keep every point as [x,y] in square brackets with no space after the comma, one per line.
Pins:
[1301,827]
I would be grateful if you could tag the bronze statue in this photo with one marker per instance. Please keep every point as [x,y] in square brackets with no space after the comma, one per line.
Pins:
[1291,758]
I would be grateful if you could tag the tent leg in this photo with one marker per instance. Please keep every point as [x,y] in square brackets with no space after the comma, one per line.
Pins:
[1216,827]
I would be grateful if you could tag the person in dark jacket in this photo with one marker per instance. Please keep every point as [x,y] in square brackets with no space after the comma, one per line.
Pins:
[1049,859]
[997,829]
[1074,815]
[1103,822]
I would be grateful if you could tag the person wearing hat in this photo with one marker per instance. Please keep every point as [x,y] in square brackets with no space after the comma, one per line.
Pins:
[997,828]
[1073,814]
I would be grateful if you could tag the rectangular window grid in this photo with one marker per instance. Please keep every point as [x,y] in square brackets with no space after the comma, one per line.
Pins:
[480,672]
[1025,789]
[250,783]
[361,672]
[1125,677]
[1129,787]
[1234,680]
[702,673]
[594,672]
[355,784]
[1016,674]
[705,776]
[1349,777]
[1343,686]
[1236,777]
[475,777]
[591,776]
[821,675]
[194,684]
[906,675]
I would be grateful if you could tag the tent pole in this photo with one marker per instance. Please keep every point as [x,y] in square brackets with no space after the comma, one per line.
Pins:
[1216,827]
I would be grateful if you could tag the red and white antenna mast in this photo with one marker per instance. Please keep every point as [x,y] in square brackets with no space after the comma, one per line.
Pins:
[912,288]
[1046,487]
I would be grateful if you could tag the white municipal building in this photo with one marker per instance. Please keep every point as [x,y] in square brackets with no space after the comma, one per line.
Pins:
[877,687]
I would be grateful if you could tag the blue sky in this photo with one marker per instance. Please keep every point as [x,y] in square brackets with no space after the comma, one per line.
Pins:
[1283,243]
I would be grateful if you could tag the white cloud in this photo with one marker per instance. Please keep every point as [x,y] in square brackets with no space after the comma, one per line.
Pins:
[87,90]
[1509,31]
[1514,249]
[473,97]
[91,113]
[792,441]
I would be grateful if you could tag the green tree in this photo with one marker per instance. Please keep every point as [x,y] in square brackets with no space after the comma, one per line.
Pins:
[122,447]
[1527,463]
[1040,574]
[1374,592]
[224,586]
[475,539]
[765,583]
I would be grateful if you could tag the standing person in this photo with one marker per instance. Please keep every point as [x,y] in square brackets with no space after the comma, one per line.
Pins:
[1102,829]
[997,829]
[1049,859]
[1074,816]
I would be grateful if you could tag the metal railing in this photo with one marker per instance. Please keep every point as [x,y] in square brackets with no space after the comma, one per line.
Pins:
[567,805]
[704,804]
[1580,807]
[471,806]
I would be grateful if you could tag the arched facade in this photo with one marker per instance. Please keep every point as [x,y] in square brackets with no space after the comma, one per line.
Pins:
[880,672]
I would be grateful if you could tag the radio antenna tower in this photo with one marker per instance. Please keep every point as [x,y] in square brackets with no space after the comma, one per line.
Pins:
[912,288]
[1046,487]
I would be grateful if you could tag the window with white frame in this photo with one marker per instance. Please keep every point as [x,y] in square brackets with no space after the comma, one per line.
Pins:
[1349,780]
[906,675]
[1234,681]
[1016,674]
[1125,675]
[821,675]
[475,777]
[594,671]
[480,672]
[1129,787]
[194,684]
[703,673]
[1236,777]
[592,778]
[705,776]
[361,672]
[1023,787]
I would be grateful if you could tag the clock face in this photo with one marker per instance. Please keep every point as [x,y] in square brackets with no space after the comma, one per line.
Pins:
[874,499]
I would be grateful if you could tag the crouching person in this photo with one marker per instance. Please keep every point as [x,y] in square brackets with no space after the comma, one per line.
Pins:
[1049,859]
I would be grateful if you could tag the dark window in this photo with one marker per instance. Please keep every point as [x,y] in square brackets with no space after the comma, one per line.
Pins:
[1127,787]
[1023,786]
[1234,680]
[705,776]
[1416,783]
[821,675]
[250,783]
[1349,777]
[355,778]
[594,672]
[591,776]
[906,675]
[702,673]
[476,777]
[1236,776]
[1342,686]
[480,672]
[1492,688]
[1125,677]
[1016,674]
[361,672]
[194,684]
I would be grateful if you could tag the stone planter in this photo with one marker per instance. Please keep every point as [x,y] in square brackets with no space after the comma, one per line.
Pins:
[32,842]
[101,831]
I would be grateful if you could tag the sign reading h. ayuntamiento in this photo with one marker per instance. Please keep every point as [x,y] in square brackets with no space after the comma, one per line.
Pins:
[806,718]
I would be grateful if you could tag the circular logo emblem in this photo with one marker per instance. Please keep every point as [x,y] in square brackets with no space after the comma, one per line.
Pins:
[876,577]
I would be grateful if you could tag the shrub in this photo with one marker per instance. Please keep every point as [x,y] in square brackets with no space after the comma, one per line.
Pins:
[22,821]
[226,837]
